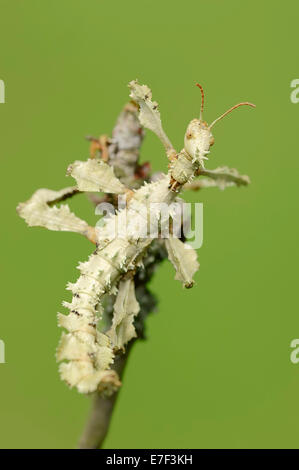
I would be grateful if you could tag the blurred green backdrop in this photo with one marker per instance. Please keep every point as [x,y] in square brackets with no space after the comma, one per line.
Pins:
[215,370]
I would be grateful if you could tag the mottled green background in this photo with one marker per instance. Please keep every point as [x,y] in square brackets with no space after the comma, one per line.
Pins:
[216,370]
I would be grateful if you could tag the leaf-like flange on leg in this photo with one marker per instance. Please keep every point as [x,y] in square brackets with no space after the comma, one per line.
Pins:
[37,212]
[95,175]
[89,359]
[126,308]
[149,115]
[222,177]
[184,260]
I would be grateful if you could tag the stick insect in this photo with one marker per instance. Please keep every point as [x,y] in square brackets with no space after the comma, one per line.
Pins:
[85,353]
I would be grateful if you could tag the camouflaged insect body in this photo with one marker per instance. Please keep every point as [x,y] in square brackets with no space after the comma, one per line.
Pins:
[86,354]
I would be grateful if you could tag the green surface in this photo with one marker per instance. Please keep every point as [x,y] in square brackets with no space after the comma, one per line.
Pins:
[216,370]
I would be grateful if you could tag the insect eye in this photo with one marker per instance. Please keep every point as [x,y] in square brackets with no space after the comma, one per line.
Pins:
[212,141]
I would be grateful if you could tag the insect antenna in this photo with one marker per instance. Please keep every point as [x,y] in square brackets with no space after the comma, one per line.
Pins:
[202,100]
[230,110]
